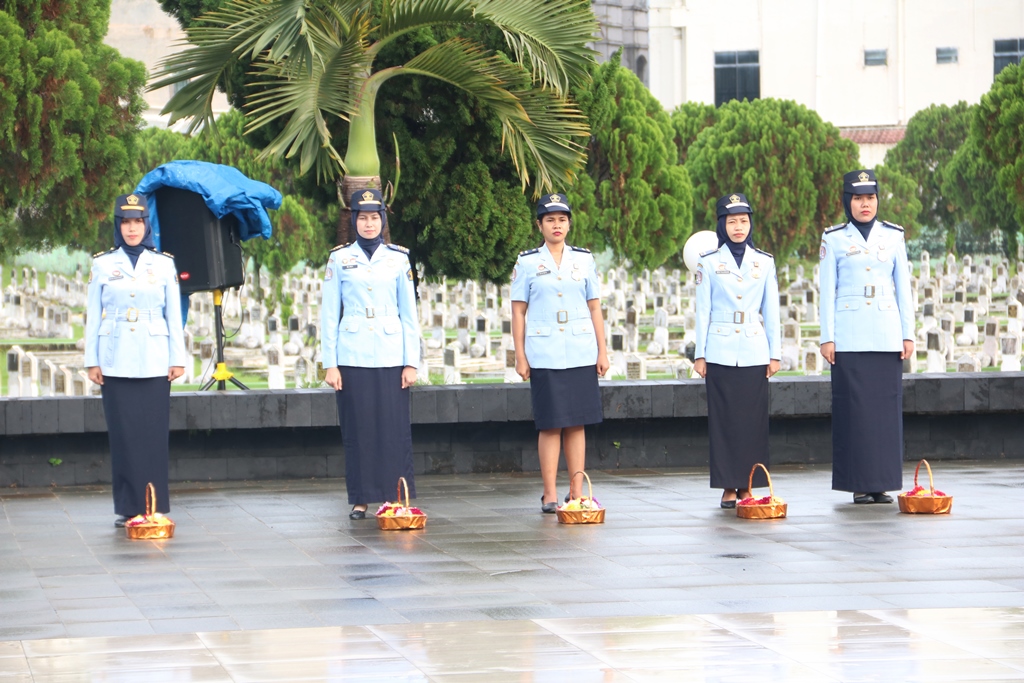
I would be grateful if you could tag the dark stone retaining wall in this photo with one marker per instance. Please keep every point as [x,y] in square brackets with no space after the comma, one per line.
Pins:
[489,428]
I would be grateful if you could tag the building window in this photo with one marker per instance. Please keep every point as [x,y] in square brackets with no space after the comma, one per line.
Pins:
[737,76]
[876,57]
[177,87]
[947,55]
[641,69]
[1008,52]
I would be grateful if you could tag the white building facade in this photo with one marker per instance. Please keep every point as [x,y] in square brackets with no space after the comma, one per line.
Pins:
[873,63]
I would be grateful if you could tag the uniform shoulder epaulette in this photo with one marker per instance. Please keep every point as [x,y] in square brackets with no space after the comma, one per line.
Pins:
[163,253]
[834,228]
[585,251]
[893,226]
[398,247]
[341,246]
[708,252]
[759,251]
[104,253]
[529,251]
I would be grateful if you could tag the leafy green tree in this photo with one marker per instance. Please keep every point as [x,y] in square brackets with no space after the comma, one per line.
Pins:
[461,208]
[933,136]
[688,120]
[898,200]
[970,180]
[69,112]
[635,198]
[997,129]
[787,161]
[316,60]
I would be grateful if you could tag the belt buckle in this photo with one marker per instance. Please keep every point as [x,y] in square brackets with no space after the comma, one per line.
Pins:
[131,315]
[563,316]
[738,317]
[370,312]
[869,291]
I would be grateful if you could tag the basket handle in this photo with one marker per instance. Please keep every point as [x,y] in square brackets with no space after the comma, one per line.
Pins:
[150,499]
[590,486]
[750,481]
[931,482]
[403,484]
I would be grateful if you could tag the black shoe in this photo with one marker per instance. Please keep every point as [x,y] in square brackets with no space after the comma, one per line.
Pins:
[882,497]
[728,504]
[864,499]
[120,520]
[567,497]
[547,508]
[357,514]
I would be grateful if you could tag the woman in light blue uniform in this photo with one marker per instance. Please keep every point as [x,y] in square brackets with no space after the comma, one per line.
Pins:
[736,351]
[867,330]
[370,346]
[558,332]
[134,349]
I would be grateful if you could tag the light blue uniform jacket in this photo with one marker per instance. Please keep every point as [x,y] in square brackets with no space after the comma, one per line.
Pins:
[729,299]
[380,327]
[866,303]
[559,329]
[133,316]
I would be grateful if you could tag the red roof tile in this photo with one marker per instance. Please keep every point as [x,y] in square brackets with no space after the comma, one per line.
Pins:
[874,135]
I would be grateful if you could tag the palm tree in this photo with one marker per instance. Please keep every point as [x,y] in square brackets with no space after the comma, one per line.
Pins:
[312,61]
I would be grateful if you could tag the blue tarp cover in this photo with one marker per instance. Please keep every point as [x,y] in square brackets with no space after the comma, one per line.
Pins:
[225,189]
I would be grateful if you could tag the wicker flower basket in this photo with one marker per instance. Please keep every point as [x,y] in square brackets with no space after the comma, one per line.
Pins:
[152,525]
[400,516]
[768,507]
[922,501]
[583,510]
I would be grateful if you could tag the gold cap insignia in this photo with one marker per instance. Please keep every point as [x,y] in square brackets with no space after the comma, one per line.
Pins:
[863,177]
[132,199]
[133,204]
[735,198]
[368,196]
[554,198]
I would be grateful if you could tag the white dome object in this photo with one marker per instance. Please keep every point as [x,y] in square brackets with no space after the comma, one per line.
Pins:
[699,242]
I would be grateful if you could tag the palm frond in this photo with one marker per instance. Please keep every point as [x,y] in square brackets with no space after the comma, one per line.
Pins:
[280,30]
[541,128]
[401,16]
[548,37]
[306,98]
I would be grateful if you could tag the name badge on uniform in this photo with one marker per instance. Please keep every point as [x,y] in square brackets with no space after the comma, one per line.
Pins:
[542,270]
[116,275]
[853,251]
[722,269]
[757,270]
[350,266]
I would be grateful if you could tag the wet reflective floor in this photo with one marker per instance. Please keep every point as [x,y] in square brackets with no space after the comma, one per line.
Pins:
[270,581]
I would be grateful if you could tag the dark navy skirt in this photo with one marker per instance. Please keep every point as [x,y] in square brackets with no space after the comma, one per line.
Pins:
[565,398]
[737,424]
[138,413]
[375,417]
[867,422]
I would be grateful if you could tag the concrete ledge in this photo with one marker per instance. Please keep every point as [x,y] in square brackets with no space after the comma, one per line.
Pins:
[791,397]
[489,428]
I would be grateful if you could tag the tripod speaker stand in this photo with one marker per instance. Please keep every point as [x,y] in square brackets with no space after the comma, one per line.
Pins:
[221,375]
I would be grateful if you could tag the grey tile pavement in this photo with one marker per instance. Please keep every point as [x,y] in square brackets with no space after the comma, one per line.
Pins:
[283,554]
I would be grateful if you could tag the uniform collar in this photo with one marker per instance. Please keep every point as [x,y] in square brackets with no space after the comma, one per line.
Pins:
[357,251]
[725,256]
[874,236]
[546,254]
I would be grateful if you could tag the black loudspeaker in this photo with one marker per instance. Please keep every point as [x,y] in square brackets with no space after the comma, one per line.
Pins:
[207,250]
